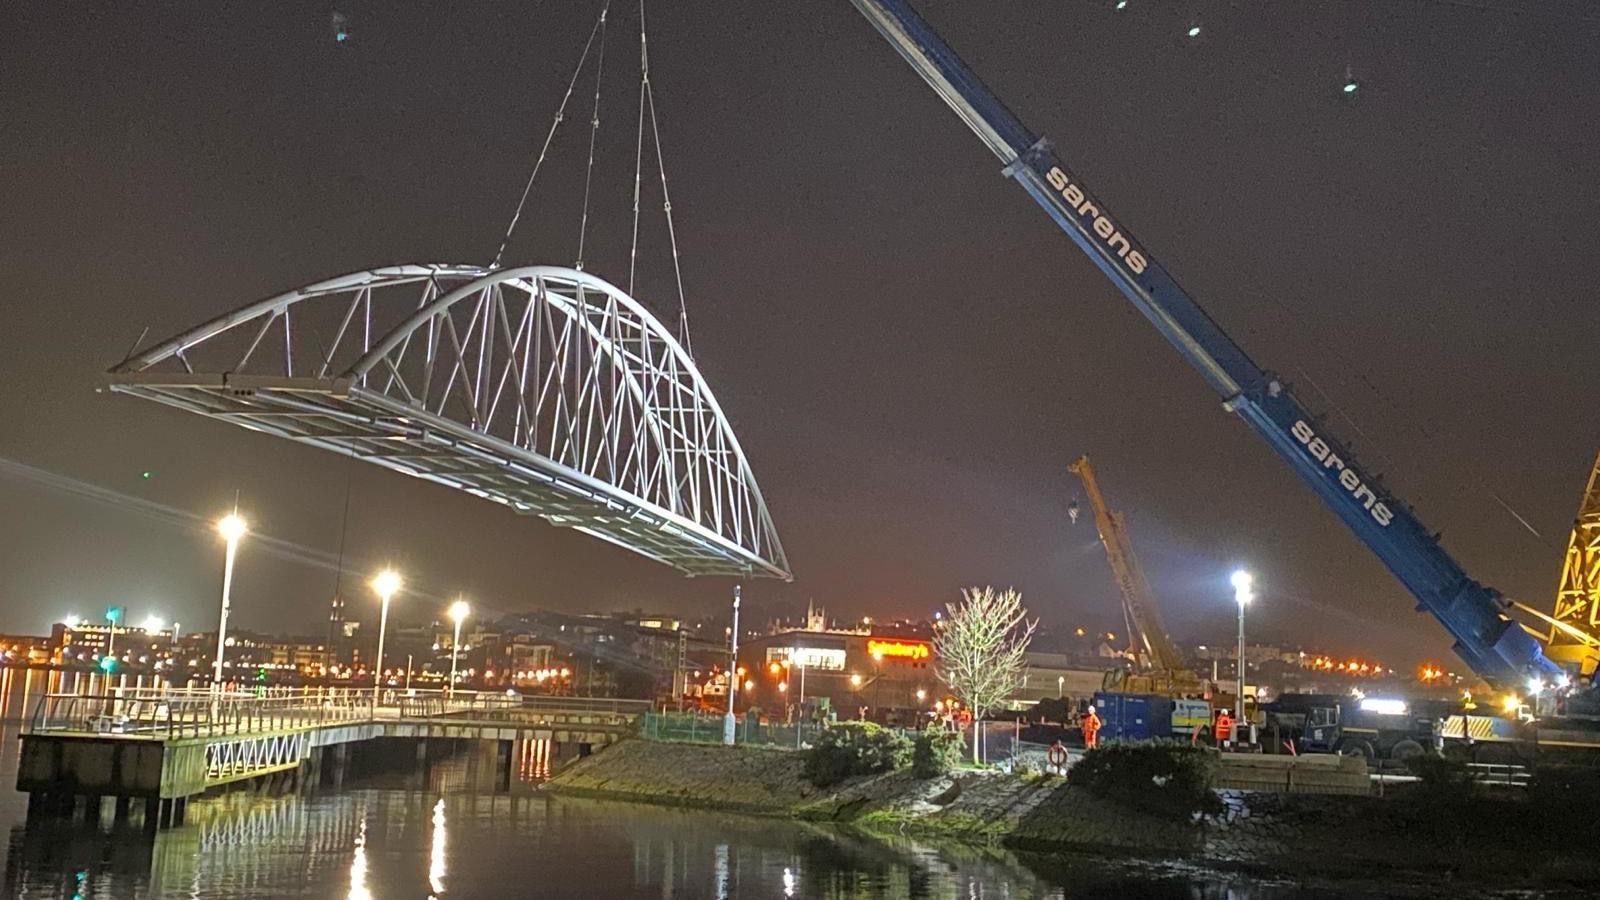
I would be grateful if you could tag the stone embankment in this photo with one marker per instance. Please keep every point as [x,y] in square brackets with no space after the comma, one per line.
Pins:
[1428,839]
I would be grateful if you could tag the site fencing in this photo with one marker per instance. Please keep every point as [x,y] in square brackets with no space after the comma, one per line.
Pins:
[706,728]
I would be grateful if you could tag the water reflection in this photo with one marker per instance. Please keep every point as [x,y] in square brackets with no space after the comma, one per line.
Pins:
[358,866]
[436,853]
[446,836]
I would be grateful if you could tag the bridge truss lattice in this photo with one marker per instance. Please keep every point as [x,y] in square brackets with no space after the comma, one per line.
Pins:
[542,388]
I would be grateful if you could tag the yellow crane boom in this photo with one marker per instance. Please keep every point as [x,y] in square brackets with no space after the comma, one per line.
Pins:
[1148,636]
[1577,607]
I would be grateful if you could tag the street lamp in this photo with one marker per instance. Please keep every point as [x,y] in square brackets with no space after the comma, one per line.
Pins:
[1242,595]
[729,724]
[387,584]
[458,614]
[232,527]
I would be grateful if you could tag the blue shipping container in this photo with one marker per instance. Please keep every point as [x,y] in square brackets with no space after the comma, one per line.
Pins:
[1133,717]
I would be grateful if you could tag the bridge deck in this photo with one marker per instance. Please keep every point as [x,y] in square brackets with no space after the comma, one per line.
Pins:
[174,743]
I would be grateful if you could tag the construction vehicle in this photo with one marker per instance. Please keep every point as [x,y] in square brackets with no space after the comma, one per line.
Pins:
[1574,625]
[1159,668]
[1476,616]
[1373,728]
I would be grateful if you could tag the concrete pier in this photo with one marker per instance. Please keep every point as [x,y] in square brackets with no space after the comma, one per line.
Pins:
[165,747]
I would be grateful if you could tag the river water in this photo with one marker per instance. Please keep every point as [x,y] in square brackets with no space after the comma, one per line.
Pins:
[447,832]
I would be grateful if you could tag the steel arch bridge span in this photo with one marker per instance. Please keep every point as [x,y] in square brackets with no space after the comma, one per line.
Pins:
[542,388]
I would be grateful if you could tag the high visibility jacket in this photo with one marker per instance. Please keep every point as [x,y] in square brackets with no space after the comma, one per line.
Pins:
[1224,727]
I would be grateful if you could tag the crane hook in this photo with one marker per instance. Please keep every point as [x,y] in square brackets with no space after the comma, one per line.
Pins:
[1072,511]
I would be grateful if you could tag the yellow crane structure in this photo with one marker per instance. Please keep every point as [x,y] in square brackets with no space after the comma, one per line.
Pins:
[1160,666]
[1574,638]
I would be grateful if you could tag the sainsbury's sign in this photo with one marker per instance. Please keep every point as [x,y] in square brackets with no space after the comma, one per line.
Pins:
[899,649]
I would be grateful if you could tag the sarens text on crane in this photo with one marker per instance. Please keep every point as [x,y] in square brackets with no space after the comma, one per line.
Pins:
[1348,478]
[1103,226]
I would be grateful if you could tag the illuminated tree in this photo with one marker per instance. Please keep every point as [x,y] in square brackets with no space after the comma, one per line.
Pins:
[980,645]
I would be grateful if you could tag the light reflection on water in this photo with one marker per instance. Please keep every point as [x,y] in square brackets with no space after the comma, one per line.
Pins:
[447,834]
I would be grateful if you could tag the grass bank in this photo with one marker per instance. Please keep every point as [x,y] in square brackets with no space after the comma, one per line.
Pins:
[1429,840]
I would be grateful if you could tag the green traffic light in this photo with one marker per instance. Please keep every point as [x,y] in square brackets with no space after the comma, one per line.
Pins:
[108,664]
[145,474]
[1351,86]
[1194,31]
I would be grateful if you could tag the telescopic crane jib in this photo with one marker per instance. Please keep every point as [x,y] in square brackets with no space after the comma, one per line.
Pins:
[1476,616]
[1162,665]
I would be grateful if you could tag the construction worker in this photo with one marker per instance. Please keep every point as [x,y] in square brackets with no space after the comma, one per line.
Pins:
[1091,727]
[1223,729]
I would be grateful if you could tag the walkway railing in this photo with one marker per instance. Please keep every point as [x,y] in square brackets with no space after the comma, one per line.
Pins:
[169,713]
[427,705]
[182,713]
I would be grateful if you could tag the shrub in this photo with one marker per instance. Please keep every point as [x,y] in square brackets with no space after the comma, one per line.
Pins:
[935,752]
[1564,787]
[1169,778]
[848,749]
[1438,773]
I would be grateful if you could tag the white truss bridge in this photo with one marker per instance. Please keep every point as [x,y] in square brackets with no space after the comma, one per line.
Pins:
[541,388]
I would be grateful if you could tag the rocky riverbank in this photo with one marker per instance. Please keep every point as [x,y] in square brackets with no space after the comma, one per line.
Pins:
[1463,843]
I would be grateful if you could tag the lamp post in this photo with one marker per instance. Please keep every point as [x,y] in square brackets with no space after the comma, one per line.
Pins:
[387,584]
[232,527]
[728,722]
[458,614]
[1242,595]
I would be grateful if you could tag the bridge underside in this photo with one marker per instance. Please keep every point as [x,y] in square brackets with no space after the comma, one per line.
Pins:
[349,420]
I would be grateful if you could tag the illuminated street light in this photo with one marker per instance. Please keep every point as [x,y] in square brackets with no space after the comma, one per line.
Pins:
[855,681]
[1242,595]
[387,584]
[458,614]
[729,724]
[153,624]
[232,527]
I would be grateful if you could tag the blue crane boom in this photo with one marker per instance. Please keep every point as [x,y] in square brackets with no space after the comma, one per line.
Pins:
[1475,615]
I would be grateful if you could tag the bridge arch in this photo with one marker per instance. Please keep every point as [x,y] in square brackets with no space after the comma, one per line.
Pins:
[543,388]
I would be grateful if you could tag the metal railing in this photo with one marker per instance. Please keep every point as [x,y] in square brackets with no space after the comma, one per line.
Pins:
[183,713]
[1507,774]
[169,713]
[429,704]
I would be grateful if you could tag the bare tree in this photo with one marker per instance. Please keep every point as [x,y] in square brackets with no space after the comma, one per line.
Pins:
[980,646]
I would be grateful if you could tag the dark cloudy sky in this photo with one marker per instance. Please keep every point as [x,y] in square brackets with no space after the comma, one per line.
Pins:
[909,351]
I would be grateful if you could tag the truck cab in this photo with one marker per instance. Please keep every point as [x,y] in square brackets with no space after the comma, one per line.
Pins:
[1371,729]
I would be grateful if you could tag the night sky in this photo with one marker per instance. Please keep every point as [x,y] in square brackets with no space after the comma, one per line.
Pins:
[909,351]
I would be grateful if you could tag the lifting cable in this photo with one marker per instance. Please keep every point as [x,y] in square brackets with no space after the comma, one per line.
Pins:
[545,150]
[594,132]
[647,98]
[596,46]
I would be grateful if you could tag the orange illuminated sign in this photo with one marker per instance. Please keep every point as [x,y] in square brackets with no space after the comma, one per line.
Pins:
[900,649]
